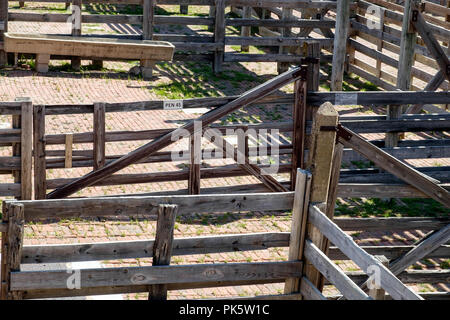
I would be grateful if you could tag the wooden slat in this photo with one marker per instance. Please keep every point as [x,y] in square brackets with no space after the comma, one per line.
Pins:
[395,166]
[345,243]
[26,154]
[298,225]
[162,248]
[40,185]
[309,291]
[333,273]
[126,276]
[99,135]
[68,151]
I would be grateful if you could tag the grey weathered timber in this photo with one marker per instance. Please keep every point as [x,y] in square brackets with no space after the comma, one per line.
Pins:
[245,30]
[403,171]
[299,129]
[340,44]
[298,225]
[333,273]
[136,205]
[26,153]
[219,34]
[143,248]
[162,248]
[147,19]
[428,245]
[309,291]
[165,140]
[194,166]
[99,151]
[375,292]
[76,19]
[29,280]
[319,163]
[13,246]
[348,246]
[433,46]
[433,85]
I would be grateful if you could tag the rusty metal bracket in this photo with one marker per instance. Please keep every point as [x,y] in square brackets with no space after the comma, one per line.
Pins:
[343,133]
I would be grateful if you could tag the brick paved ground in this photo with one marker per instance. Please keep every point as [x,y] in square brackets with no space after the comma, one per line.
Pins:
[114,85]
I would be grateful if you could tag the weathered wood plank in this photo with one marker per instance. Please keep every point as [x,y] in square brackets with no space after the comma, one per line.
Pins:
[333,273]
[29,280]
[395,166]
[298,225]
[26,154]
[388,281]
[162,248]
[99,135]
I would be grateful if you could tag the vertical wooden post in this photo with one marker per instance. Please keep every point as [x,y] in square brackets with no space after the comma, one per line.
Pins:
[40,180]
[380,40]
[379,293]
[184,9]
[286,14]
[195,163]
[76,29]
[246,30]
[99,135]
[16,147]
[408,41]
[26,151]
[298,226]
[219,35]
[313,73]
[340,44]
[299,130]
[147,19]
[320,159]
[332,192]
[68,151]
[12,243]
[162,248]
[393,112]
[3,30]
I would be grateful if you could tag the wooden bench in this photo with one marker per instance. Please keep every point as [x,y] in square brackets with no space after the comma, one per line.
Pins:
[147,51]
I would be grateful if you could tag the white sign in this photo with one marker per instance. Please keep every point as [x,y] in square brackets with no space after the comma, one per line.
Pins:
[173,105]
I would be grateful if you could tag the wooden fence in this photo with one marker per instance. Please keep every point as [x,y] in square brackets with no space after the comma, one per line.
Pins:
[369,182]
[374,45]
[210,47]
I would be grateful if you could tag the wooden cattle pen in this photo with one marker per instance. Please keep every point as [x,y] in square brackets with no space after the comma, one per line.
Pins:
[321,140]
[404,54]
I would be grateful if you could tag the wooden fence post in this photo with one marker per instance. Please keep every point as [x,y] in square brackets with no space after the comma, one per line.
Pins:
[219,35]
[26,151]
[380,40]
[162,248]
[68,151]
[99,135]
[313,74]
[184,9]
[3,29]
[12,243]
[379,293]
[340,44]
[299,130]
[246,30]
[76,29]
[284,32]
[195,163]
[147,19]
[408,40]
[298,226]
[40,180]
[321,150]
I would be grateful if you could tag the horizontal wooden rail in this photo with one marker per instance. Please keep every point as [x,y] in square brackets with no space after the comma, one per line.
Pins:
[126,206]
[129,276]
